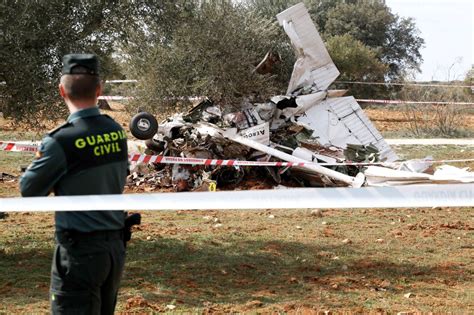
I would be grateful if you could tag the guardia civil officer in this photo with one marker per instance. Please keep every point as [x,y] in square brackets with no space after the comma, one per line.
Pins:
[85,156]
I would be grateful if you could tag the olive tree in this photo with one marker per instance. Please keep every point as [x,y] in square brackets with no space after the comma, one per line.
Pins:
[34,35]
[211,51]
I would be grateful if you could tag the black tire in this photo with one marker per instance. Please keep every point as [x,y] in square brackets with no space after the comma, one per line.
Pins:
[143,126]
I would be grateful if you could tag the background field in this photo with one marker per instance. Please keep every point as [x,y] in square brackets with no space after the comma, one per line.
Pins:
[267,260]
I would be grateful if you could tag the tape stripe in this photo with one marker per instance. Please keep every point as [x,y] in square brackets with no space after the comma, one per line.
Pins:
[457,195]
[18,146]
[352,82]
[411,102]
[406,84]
[12,147]
[194,161]
[121,81]
[146,158]
[114,97]
[120,98]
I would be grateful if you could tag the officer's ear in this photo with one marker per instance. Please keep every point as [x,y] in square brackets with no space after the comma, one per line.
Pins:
[98,90]
[62,91]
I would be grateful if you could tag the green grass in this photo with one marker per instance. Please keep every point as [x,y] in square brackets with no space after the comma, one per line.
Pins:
[20,135]
[253,263]
[438,152]
[405,133]
[10,162]
[181,258]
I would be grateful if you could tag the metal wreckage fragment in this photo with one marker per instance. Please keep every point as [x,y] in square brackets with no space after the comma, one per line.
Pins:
[308,124]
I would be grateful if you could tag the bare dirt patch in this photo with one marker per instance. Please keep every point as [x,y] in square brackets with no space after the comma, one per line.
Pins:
[397,120]
[180,261]
[378,260]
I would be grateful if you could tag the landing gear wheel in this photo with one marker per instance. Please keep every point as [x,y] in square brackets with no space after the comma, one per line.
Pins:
[143,126]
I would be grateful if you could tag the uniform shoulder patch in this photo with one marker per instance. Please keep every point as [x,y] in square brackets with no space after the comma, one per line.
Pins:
[58,128]
[38,154]
[112,120]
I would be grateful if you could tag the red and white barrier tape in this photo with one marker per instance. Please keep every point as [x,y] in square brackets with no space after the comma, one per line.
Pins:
[160,159]
[411,102]
[18,146]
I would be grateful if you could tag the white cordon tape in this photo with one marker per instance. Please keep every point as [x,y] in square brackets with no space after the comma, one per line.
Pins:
[114,98]
[160,159]
[121,98]
[121,81]
[411,102]
[353,82]
[406,84]
[415,196]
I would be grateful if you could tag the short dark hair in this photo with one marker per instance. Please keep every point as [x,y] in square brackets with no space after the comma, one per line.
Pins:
[80,86]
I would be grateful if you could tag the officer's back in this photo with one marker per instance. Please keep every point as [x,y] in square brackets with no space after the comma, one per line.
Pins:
[85,156]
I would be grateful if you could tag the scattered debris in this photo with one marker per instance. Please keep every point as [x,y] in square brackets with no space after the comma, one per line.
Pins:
[253,304]
[409,295]
[207,218]
[4,177]
[317,213]
[311,123]
[385,284]
[103,104]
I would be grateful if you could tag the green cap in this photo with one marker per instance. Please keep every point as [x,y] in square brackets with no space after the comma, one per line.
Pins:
[80,64]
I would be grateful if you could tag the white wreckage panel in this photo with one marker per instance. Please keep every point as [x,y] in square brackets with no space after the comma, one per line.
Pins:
[335,121]
[314,66]
[351,181]
[259,133]
[445,174]
[339,121]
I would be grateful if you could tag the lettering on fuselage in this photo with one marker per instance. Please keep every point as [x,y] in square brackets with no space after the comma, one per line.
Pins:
[103,143]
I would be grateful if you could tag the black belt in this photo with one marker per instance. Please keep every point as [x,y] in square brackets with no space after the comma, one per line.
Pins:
[73,235]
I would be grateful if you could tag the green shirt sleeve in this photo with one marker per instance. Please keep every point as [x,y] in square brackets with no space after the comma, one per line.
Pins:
[45,171]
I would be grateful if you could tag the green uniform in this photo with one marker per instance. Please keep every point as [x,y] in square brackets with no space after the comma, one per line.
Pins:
[85,156]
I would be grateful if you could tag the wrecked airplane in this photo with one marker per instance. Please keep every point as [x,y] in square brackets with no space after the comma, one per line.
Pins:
[308,124]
